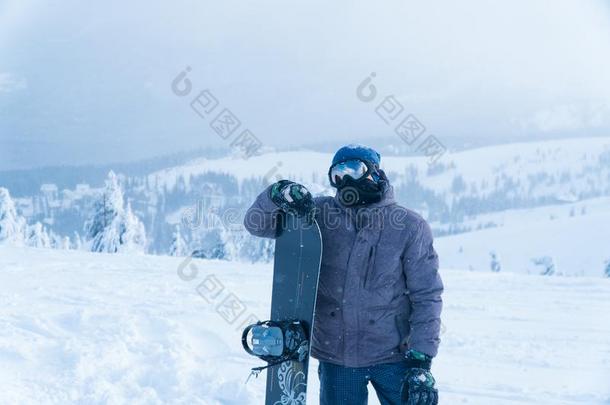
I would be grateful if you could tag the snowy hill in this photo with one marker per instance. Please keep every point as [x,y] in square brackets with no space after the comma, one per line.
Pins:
[573,236]
[110,329]
[566,167]
[495,187]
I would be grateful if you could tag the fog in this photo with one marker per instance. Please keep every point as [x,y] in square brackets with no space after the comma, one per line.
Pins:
[90,83]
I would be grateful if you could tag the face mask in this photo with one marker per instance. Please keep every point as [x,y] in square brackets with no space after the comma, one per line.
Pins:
[360,192]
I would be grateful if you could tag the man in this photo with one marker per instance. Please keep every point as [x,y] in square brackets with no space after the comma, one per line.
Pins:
[378,308]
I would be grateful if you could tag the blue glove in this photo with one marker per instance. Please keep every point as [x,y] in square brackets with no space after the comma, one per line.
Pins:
[418,383]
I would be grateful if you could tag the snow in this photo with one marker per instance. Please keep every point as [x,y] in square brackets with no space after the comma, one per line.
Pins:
[577,243]
[481,166]
[79,327]
[12,225]
[178,246]
[465,191]
[112,227]
[37,236]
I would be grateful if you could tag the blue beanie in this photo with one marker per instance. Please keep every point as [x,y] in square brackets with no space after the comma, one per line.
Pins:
[357,152]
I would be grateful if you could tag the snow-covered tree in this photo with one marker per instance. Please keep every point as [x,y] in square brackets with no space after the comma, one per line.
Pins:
[458,184]
[212,240]
[231,240]
[65,243]
[546,263]
[256,249]
[607,270]
[37,236]
[132,232]
[78,242]
[56,240]
[12,225]
[178,246]
[495,262]
[112,228]
[106,209]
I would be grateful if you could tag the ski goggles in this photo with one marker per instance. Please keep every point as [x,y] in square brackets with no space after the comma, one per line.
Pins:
[354,168]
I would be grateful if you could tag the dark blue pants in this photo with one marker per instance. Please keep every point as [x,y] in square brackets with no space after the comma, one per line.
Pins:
[348,386]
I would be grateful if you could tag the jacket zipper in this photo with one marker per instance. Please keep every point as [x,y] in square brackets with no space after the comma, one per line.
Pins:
[369,265]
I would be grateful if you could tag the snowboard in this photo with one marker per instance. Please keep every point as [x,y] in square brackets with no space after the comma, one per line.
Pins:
[298,252]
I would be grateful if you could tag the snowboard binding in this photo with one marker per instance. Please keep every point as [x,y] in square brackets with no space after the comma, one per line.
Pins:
[276,342]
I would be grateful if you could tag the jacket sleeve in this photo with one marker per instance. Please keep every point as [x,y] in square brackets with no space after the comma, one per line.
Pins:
[424,287]
[262,217]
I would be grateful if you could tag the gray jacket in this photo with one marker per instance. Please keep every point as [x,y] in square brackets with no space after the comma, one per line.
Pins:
[379,292]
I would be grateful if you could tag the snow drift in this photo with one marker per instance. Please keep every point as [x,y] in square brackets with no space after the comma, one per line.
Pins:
[94,328]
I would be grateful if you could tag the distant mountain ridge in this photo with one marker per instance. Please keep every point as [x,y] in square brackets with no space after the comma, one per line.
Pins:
[459,193]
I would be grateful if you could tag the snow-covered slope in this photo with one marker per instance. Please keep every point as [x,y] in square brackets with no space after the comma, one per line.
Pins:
[574,236]
[89,328]
[460,193]
[534,167]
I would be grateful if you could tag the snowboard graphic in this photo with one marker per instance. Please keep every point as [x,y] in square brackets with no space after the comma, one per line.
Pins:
[284,341]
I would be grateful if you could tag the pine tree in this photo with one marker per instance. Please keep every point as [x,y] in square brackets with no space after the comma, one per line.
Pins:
[106,209]
[12,225]
[547,264]
[178,246]
[37,236]
[495,262]
[256,249]
[65,243]
[132,233]
[230,240]
[56,240]
[212,240]
[112,228]
[78,242]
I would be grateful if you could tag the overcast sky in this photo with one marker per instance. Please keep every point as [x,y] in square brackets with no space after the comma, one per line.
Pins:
[85,83]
